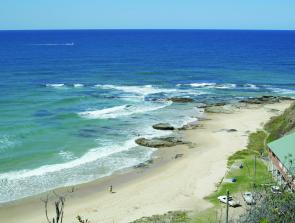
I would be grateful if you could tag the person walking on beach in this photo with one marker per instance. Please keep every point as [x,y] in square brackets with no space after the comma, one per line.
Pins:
[111,189]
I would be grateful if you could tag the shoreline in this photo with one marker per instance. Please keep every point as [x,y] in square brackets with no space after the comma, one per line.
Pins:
[166,185]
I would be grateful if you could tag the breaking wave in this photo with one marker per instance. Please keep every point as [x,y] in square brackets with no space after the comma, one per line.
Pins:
[78,85]
[90,156]
[282,91]
[139,90]
[55,85]
[123,110]
[209,85]
[251,86]
[24,183]
[199,85]
[225,86]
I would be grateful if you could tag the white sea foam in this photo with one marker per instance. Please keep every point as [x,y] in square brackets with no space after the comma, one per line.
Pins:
[187,116]
[198,84]
[91,156]
[61,85]
[78,85]
[282,91]
[219,85]
[139,90]
[55,85]
[202,84]
[112,112]
[186,121]
[225,86]
[66,155]
[251,86]
[20,184]
[211,85]
[123,110]
[96,163]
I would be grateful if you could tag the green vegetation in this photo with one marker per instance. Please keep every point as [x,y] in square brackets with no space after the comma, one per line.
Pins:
[279,208]
[282,124]
[211,215]
[169,217]
[245,176]
[240,155]
[257,141]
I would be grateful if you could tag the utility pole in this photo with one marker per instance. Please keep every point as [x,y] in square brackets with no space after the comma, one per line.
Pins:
[227,198]
[254,170]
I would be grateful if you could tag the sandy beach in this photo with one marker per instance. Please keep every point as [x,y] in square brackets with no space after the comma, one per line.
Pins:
[169,184]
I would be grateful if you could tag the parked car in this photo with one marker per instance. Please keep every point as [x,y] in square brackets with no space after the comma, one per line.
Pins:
[249,198]
[275,189]
[231,202]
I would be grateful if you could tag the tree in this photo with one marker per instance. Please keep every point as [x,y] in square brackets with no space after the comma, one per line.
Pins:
[59,204]
[59,209]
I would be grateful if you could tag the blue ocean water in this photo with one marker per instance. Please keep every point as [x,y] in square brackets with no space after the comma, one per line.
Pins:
[72,102]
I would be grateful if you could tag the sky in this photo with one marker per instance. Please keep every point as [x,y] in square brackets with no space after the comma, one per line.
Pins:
[147,14]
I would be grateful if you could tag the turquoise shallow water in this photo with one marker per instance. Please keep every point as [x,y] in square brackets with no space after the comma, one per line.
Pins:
[72,102]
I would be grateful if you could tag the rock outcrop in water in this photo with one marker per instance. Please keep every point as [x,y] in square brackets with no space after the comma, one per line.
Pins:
[266,99]
[180,100]
[225,109]
[191,125]
[145,164]
[167,126]
[160,142]
[230,108]
[211,105]
[163,126]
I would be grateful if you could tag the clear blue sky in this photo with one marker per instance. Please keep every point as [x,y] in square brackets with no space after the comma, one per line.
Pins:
[104,14]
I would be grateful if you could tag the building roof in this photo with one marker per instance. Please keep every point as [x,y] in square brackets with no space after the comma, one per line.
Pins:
[284,149]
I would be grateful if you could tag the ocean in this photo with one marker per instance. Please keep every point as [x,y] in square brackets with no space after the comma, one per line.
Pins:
[72,102]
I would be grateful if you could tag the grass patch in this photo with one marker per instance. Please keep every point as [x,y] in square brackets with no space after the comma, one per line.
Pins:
[240,155]
[282,124]
[245,176]
[211,215]
[169,217]
[257,141]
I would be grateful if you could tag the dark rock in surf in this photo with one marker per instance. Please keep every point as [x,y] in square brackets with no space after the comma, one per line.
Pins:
[226,109]
[212,105]
[266,99]
[191,125]
[163,126]
[145,164]
[141,165]
[160,142]
[181,100]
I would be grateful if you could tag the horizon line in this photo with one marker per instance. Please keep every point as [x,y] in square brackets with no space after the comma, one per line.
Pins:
[205,29]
